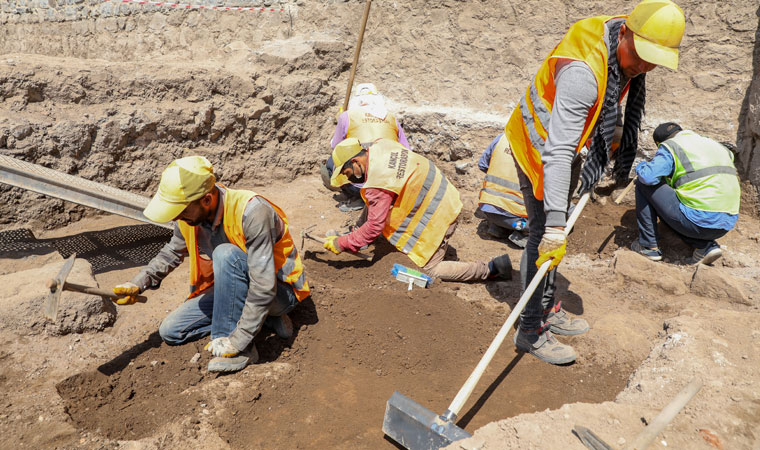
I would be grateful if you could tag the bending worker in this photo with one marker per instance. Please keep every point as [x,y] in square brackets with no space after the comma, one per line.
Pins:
[500,198]
[574,97]
[251,272]
[367,119]
[692,185]
[411,203]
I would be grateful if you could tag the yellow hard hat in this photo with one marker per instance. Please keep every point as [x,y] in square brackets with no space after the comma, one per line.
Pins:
[657,27]
[182,182]
[342,153]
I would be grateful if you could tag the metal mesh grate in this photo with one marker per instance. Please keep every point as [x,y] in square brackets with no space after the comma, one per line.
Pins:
[112,249]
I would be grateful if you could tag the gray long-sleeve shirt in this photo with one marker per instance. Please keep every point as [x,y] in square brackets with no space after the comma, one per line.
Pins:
[576,93]
[262,228]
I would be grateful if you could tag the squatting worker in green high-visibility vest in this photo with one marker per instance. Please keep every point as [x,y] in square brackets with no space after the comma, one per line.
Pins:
[574,100]
[692,185]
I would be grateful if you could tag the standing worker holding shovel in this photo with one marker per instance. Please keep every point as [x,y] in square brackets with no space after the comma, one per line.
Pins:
[573,98]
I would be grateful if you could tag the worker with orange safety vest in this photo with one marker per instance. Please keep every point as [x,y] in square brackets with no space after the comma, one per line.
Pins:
[410,201]
[575,98]
[367,119]
[250,274]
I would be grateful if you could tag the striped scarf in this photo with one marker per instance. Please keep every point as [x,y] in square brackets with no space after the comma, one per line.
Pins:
[601,142]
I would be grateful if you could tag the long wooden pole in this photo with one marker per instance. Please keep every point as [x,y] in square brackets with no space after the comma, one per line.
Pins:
[356,54]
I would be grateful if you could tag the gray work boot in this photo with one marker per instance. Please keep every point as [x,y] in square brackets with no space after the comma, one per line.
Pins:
[564,325]
[354,204]
[707,255]
[235,363]
[544,347]
[519,238]
[502,268]
[282,325]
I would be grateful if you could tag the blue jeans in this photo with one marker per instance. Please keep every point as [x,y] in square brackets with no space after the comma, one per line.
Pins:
[536,311]
[349,190]
[217,311]
[661,201]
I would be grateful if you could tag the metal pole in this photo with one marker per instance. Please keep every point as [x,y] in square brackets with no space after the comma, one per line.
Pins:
[356,54]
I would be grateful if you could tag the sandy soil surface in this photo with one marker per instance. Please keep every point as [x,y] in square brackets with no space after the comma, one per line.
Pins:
[363,335]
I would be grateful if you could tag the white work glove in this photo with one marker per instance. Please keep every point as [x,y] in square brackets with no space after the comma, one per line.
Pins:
[552,247]
[129,290]
[222,347]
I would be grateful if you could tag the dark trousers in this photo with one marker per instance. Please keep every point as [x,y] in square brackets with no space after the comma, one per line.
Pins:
[542,301]
[661,201]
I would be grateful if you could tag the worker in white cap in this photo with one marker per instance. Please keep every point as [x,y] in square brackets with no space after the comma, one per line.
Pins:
[245,270]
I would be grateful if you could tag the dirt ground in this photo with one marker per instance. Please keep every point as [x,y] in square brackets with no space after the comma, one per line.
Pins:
[362,336]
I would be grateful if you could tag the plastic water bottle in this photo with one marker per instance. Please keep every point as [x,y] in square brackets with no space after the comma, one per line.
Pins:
[519,224]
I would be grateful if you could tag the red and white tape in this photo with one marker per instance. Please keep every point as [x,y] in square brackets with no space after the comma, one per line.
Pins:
[214,8]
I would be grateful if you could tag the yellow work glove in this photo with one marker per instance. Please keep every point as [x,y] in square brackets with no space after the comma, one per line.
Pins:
[552,247]
[222,347]
[331,243]
[130,291]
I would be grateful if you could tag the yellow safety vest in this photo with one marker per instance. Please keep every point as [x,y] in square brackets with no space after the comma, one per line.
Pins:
[528,125]
[287,262]
[501,187]
[426,202]
[367,128]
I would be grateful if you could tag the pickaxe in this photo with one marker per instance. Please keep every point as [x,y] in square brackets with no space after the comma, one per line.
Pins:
[59,284]
[306,235]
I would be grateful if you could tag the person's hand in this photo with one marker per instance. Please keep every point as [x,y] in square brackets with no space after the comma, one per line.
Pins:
[129,291]
[552,247]
[222,347]
[331,243]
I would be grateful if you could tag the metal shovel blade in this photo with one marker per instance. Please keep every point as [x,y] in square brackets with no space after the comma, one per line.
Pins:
[54,296]
[417,428]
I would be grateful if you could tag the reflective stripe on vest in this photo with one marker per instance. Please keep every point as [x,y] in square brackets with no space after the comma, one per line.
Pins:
[287,262]
[426,203]
[704,176]
[527,127]
[368,128]
[501,186]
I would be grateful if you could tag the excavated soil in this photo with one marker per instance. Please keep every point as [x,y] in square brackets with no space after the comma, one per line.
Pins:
[360,337]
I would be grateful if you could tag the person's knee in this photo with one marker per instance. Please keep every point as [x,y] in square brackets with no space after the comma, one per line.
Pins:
[169,332]
[226,255]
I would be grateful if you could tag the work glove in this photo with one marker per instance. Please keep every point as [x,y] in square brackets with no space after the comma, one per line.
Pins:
[552,247]
[130,291]
[222,347]
[331,243]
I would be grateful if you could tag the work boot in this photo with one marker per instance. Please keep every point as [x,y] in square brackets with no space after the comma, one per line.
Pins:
[354,204]
[544,346]
[235,363]
[500,268]
[653,254]
[497,232]
[564,325]
[519,238]
[282,325]
[706,255]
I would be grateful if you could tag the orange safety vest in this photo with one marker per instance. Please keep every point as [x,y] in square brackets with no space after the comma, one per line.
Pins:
[367,128]
[501,187]
[287,262]
[426,202]
[528,125]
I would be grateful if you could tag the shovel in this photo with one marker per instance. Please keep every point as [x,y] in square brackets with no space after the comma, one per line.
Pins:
[416,427]
[59,284]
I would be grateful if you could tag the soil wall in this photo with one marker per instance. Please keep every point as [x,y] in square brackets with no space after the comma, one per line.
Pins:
[113,91]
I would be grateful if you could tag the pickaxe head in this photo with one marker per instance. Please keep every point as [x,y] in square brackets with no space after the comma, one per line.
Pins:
[56,287]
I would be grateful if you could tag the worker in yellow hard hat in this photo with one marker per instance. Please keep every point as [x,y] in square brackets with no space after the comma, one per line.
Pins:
[250,273]
[575,99]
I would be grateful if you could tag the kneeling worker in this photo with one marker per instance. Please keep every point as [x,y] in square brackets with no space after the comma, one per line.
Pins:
[692,185]
[501,199]
[411,203]
[254,274]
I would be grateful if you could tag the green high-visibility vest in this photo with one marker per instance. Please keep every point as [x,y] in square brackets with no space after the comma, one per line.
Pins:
[704,177]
